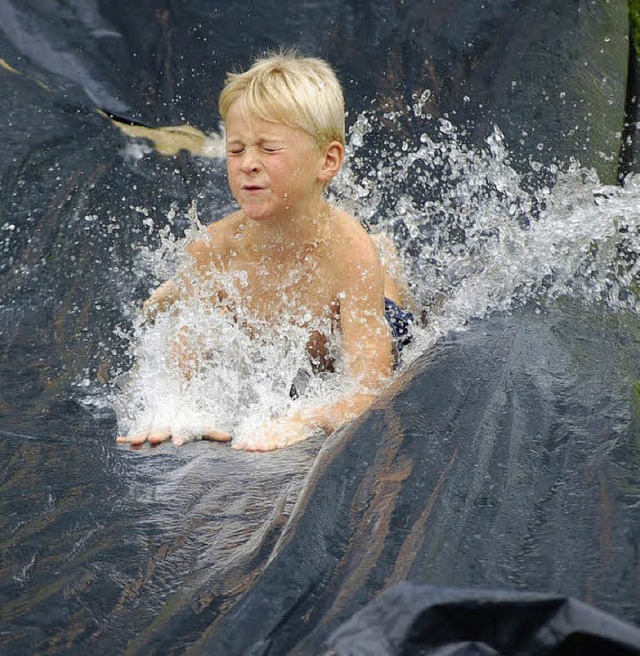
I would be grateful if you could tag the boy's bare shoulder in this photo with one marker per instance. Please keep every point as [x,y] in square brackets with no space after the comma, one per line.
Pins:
[351,243]
[216,243]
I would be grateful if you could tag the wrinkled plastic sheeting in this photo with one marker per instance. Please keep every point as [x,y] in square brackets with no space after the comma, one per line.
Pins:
[550,74]
[410,619]
[506,458]
[74,188]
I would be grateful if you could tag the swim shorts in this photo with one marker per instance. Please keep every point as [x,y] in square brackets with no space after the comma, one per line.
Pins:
[399,321]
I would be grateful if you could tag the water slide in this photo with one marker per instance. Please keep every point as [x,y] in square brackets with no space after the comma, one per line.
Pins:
[488,501]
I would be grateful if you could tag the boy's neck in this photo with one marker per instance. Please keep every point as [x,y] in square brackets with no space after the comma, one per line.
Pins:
[291,231]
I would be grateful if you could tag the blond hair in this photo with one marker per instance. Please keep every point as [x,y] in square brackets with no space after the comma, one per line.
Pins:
[287,88]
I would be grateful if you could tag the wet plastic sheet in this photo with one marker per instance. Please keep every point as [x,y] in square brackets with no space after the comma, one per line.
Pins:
[72,189]
[506,458]
[413,620]
[551,74]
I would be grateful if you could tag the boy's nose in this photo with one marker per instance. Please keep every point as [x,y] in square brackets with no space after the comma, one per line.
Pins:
[250,163]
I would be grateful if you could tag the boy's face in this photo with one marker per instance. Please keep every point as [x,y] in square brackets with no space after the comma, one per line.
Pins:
[275,171]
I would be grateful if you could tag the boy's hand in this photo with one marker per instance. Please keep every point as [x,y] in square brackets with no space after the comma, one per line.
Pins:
[150,309]
[276,434]
[160,299]
[157,436]
[301,424]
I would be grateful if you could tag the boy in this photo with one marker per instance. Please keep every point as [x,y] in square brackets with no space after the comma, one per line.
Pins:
[287,254]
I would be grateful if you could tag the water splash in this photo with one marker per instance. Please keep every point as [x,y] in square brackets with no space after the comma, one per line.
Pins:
[240,380]
[237,380]
[476,234]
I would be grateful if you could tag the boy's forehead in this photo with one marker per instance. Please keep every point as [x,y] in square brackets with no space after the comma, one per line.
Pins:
[241,125]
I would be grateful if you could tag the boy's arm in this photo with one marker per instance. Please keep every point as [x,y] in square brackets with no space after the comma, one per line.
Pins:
[368,353]
[366,342]
[160,299]
[181,286]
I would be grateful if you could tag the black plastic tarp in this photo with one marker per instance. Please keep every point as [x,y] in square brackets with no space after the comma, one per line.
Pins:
[412,620]
[552,75]
[506,458]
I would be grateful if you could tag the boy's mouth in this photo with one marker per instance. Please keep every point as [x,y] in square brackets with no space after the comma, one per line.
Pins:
[252,187]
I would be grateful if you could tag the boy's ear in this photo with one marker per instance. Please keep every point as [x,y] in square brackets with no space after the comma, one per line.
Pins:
[333,158]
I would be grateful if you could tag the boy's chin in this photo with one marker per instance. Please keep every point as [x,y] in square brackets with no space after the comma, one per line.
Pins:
[261,215]
[255,211]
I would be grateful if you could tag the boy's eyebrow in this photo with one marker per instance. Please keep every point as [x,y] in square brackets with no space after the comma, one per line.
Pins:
[232,139]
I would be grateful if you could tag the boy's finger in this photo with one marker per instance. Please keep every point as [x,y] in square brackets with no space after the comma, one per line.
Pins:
[260,448]
[157,437]
[137,440]
[133,440]
[214,435]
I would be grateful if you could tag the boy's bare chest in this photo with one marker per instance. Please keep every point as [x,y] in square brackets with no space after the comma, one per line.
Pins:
[276,290]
